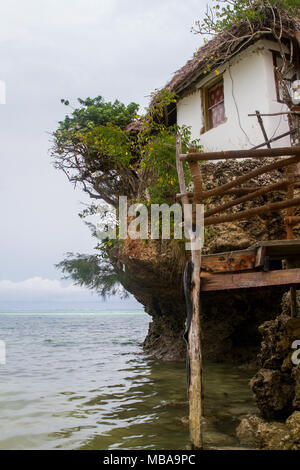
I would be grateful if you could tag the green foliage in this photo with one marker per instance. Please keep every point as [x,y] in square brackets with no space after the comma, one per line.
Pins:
[93,136]
[225,14]
[93,148]
[96,112]
[92,271]
[160,156]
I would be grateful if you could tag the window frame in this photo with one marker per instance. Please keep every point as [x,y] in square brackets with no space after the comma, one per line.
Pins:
[275,56]
[207,108]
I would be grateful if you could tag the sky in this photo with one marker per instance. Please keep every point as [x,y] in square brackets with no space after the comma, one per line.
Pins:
[50,49]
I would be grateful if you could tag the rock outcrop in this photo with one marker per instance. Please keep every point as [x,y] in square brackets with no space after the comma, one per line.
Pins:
[257,433]
[276,385]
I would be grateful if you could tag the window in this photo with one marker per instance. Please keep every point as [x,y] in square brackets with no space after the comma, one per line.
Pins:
[291,76]
[214,105]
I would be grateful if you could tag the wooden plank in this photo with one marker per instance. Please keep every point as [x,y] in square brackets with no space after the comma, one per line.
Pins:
[231,261]
[279,248]
[219,282]
[250,258]
[277,243]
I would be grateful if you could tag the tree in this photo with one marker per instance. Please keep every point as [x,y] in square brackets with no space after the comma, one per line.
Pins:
[96,148]
[94,272]
[92,148]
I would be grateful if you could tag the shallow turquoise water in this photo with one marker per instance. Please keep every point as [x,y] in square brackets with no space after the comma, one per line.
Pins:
[82,381]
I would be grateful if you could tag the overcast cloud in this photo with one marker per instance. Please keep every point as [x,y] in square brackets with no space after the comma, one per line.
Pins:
[54,49]
[40,289]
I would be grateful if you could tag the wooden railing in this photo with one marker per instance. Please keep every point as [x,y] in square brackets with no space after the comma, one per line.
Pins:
[234,187]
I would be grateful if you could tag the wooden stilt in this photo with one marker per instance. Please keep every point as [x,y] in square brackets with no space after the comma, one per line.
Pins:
[195,346]
[195,357]
[194,349]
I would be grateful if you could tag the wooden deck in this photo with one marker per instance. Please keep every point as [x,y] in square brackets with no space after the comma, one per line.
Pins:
[261,265]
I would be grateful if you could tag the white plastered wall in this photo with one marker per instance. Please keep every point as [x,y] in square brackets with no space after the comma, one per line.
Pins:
[249,85]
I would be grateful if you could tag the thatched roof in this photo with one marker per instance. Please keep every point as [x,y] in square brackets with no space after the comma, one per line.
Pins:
[221,48]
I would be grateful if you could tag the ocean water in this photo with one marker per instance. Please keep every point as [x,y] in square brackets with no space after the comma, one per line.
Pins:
[80,380]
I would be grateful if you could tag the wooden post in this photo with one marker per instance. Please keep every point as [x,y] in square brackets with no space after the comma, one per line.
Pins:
[194,349]
[179,167]
[195,346]
[195,356]
[260,122]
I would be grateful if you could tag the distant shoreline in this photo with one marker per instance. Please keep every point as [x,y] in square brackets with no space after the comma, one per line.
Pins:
[64,308]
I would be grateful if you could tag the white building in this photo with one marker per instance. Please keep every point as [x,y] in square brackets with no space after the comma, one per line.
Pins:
[216,104]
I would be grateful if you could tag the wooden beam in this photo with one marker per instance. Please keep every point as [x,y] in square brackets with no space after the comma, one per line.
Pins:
[271,114]
[219,282]
[220,190]
[226,155]
[248,197]
[242,190]
[246,214]
[278,137]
